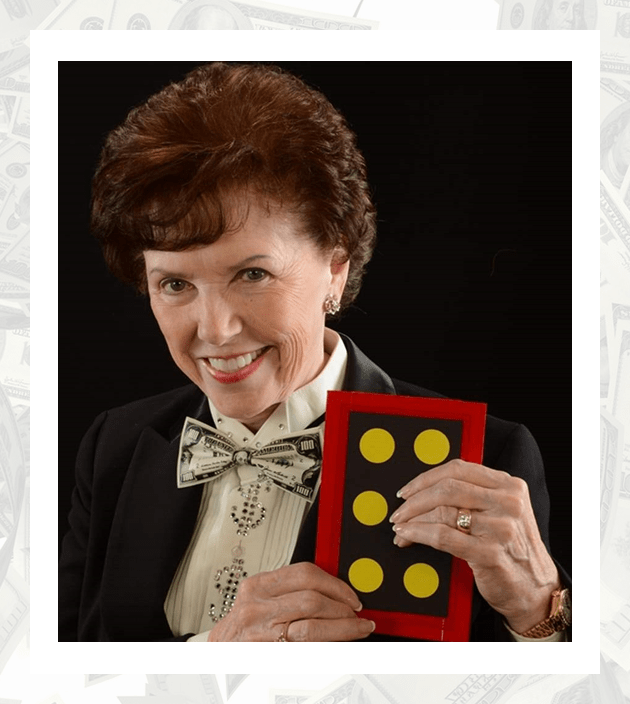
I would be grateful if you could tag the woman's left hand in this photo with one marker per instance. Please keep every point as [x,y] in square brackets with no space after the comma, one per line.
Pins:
[513,570]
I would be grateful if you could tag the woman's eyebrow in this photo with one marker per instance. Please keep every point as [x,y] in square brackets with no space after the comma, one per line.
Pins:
[234,267]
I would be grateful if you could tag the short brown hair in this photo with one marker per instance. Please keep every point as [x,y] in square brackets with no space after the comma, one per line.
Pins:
[164,173]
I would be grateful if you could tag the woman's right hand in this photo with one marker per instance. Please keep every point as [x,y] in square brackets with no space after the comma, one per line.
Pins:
[313,605]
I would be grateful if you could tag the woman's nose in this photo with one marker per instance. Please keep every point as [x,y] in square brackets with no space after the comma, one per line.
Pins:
[218,320]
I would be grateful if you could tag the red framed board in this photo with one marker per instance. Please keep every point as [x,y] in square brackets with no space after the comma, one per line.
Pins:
[373,445]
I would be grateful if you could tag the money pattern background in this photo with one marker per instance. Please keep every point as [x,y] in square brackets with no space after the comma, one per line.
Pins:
[14,360]
[311,15]
[551,15]
[329,689]
[304,15]
[615,340]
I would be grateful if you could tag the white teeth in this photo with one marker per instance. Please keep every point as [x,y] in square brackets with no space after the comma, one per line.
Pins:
[234,363]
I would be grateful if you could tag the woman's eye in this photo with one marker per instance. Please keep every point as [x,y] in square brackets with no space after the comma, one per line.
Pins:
[177,286]
[173,285]
[254,274]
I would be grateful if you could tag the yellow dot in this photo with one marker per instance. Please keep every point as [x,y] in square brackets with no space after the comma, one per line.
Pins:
[377,445]
[369,508]
[365,575]
[421,580]
[431,446]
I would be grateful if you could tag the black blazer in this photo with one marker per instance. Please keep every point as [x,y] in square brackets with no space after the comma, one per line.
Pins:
[130,525]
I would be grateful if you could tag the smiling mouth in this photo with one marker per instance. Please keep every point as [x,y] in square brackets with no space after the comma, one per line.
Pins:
[233,364]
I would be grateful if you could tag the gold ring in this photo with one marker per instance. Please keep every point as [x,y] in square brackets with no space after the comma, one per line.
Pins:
[283,637]
[464,519]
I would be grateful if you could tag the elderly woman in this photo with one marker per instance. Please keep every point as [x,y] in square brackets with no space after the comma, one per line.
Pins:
[237,200]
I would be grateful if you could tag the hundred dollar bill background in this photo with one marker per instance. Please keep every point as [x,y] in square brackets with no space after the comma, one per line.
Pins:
[604,688]
[308,14]
[15,327]
[614,233]
[554,14]
[314,15]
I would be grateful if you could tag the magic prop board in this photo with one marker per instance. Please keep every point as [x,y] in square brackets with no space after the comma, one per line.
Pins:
[373,445]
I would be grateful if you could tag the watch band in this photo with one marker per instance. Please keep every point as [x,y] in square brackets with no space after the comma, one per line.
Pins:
[559,617]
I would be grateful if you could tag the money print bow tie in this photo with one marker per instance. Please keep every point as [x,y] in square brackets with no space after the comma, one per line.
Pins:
[292,462]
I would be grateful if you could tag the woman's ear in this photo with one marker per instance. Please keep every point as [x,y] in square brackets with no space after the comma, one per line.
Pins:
[339,267]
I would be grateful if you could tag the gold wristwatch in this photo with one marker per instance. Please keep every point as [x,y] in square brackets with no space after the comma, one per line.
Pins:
[559,617]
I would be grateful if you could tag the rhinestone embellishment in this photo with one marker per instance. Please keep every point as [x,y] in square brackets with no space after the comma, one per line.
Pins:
[251,513]
[247,515]
[226,583]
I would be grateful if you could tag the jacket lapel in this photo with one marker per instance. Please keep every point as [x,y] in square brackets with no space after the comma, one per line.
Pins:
[362,374]
[152,527]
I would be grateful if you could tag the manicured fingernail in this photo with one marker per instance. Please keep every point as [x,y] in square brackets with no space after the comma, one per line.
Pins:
[395,540]
[399,493]
[367,626]
[396,528]
[394,517]
[359,607]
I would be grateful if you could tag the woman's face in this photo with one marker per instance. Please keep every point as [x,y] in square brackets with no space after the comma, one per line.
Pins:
[243,317]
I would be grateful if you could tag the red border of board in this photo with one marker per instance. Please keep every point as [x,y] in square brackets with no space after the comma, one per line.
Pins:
[455,626]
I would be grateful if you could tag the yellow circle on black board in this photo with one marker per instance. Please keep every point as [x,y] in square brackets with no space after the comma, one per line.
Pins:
[365,575]
[421,580]
[377,445]
[369,508]
[431,446]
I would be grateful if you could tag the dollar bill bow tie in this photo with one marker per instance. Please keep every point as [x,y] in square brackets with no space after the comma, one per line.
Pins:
[291,462]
